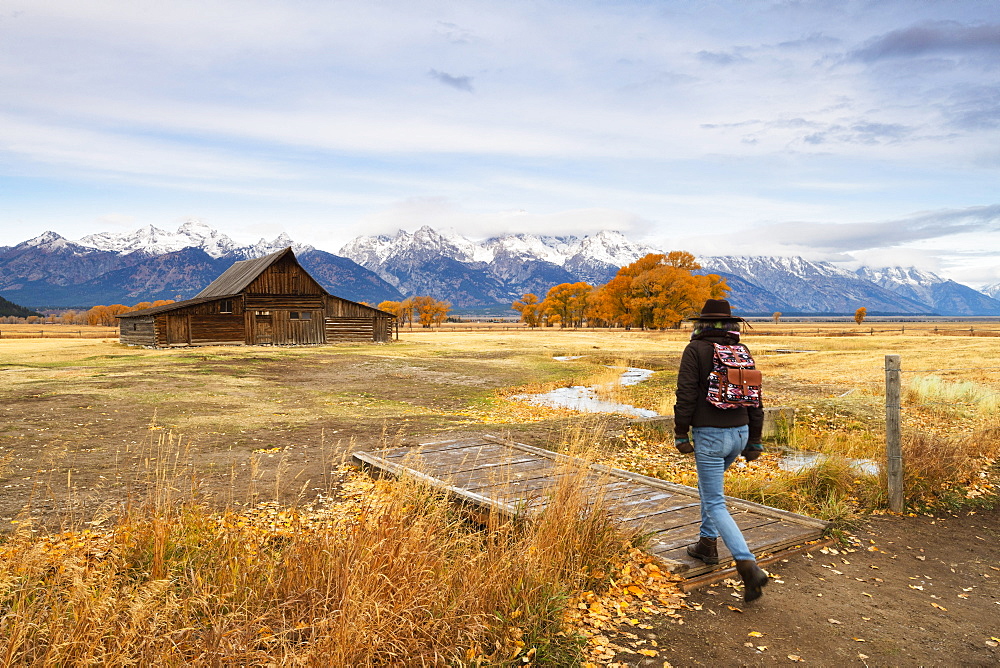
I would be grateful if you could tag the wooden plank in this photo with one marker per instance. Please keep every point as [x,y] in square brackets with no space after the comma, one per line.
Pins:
[453,461]
[517,474]
[761,536]
[488,469]
[431,446]
[678,535]
[431,457]
[692,583]
[656,482]
[493,473]
[366,460]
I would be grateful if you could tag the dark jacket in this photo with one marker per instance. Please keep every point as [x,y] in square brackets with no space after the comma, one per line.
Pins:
[692,408]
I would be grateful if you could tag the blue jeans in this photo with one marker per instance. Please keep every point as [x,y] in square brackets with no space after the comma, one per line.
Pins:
[715,449]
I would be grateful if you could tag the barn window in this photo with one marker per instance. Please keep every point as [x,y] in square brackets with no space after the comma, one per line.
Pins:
[300,315]
[226,306]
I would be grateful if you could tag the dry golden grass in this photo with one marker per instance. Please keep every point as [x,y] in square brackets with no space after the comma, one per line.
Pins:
[390,575]
[56,331]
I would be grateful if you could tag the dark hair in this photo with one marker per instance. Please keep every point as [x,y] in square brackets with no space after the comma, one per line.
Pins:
[701,326]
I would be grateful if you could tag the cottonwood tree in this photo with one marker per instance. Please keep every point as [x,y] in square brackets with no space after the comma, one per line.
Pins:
[859,315]
[402,310]
[657,291]
[777,316]
[529,308]
[568,301]
[430,311]
[106,316]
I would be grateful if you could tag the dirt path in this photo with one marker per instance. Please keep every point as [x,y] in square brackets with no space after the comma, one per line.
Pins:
[918,591]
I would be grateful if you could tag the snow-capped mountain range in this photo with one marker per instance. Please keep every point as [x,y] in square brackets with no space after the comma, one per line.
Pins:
[150,263]
[192,234]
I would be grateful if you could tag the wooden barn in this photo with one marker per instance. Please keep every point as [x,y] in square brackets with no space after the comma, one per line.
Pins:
[270,300]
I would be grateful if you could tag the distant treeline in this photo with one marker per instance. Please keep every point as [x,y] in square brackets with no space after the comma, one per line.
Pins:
[102,315]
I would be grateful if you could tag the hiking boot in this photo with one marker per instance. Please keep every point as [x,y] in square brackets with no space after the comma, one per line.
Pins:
[705,549]
[754,579]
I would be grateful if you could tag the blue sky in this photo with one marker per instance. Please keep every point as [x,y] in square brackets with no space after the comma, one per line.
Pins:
[847,131]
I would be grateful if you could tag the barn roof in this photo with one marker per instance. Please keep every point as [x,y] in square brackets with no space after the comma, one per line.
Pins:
[153,310]
[241,274]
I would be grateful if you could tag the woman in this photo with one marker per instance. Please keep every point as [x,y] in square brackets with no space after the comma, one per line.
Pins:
[720,436]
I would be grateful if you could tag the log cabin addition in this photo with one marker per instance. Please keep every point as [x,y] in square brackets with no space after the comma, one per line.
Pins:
[269,300]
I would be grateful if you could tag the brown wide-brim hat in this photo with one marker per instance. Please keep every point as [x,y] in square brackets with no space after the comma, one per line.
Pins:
[716,309]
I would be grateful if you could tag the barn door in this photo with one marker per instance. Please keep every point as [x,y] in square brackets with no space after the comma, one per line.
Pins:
[263,328]
[178,332]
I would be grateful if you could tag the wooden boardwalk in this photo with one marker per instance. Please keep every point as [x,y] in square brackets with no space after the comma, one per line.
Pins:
[493,473]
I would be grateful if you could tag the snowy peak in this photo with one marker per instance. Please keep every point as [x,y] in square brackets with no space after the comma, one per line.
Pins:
[46,240]
[604,248]
[611,247]
[944,295]
[154,241]
[899,276]
[265,247]
[759,268]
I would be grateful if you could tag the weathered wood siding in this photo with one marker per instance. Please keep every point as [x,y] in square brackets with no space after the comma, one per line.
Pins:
[350,321]
[284,278]
[219,328]
[340,330]
[341,308]
[286,302]
[139,331]
[197,325]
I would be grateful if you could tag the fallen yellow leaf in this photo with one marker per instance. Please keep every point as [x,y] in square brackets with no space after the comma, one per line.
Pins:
[648,652]
[755,634]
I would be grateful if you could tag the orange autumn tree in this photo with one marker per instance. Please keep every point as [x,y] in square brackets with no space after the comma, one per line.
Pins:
[430,311]
[529,308]
[566,303]
[657,291]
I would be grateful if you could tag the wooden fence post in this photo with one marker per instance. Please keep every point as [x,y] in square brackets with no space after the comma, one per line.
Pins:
[893,444]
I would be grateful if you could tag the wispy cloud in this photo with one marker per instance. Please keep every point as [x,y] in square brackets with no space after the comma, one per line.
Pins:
[720,58]
[932,38]
[847,237]
[462,83]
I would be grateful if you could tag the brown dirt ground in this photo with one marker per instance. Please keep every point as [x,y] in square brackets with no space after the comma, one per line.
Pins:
[79,440]
[872,606]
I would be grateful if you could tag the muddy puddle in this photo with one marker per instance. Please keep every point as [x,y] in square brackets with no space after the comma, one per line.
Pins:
[586,399]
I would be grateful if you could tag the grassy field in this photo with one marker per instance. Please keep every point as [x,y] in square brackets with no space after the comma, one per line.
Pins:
[191,504]
[56,331]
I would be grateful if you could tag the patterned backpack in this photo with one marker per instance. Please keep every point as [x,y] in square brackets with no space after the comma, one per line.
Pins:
[733,381]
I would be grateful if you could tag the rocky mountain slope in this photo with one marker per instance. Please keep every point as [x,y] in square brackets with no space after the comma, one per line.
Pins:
[150,263]
[50,271]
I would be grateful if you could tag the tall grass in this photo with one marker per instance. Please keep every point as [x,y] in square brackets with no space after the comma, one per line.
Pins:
[952,468]
[946,394]
[827,490]
[391,577]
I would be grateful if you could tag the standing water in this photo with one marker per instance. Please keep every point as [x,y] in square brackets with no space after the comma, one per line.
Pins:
[585,399]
